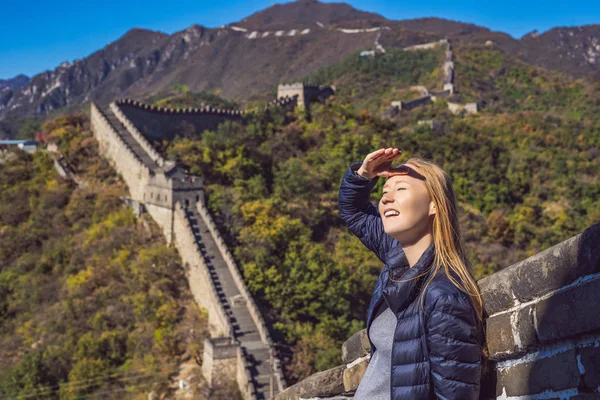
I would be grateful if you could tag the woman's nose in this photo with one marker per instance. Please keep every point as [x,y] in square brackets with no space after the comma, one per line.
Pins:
[386,198]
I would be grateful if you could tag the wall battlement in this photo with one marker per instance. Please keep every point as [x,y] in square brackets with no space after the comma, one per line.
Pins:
[285,101]
[160,123]
[542,331]
[179,111]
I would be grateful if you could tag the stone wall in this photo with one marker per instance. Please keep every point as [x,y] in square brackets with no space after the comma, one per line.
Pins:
[542,331]
[164,218]
[287,102]
[201,284]
[241,285]
[427,97]
[292,90]
[224,361]
[409,105]
[439,127]
[119,154]
[158,184]
[154,155]
[158,123]
[168,194]
[448,85]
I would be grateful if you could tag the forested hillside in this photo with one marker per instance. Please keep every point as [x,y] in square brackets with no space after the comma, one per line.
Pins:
[92,302]
[525,174]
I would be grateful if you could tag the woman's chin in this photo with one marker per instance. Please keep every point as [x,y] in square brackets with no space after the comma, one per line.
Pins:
[393,230]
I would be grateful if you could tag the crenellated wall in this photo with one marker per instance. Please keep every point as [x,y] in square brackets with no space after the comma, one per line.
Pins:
[287,102]
[158,123]
[120,154]
[152,180]
[199,279]
[239,282]
[542,331]
[154,155]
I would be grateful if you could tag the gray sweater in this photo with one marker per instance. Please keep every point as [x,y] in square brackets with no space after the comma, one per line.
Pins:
[376,382]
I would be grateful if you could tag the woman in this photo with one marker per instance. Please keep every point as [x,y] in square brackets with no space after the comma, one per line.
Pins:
[424,320]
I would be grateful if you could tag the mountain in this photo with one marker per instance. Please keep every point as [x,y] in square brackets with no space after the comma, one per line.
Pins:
[14,83]
[306,13]
[280,44]
[574,50]
[78,82]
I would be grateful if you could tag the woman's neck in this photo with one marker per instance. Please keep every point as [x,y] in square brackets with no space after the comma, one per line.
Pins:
[414,251]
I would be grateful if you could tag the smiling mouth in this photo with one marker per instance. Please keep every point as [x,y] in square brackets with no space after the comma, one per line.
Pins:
[391,214]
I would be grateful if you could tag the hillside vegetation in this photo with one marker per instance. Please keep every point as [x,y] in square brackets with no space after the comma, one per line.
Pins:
[93,304]
[525,181]
[501,83]
[524,170]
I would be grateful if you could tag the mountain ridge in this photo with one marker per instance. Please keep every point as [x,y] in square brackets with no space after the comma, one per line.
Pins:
[281,43]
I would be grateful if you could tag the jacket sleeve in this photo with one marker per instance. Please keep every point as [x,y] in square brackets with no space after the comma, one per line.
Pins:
[454,348]
[359,215]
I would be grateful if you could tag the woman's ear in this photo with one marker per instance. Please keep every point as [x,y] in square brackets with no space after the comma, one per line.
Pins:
[432,208]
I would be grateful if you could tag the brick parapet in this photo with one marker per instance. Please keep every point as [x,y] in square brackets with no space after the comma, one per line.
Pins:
[285,101]
[191,254]
[137,135]
[181,111]
[99,120]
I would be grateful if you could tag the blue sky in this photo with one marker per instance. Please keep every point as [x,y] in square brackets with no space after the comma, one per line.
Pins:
[39,35]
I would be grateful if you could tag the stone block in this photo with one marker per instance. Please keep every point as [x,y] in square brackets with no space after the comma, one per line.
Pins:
[559,265]
[525,329]
[568,313]
[499,335]
[496,292]
[353,375]
[542,273]
[588,362]
[327,383]
[356,346]
[555,373]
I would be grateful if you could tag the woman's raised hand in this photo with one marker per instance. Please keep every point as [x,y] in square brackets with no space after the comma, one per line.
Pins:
[378,163]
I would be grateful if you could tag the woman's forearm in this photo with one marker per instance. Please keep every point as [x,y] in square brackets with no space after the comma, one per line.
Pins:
[357,212]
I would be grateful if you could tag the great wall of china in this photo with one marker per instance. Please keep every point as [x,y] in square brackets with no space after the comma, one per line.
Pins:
[448,84]
[240,344]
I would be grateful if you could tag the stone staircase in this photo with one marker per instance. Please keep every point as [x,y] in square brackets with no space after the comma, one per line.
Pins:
[244,327]
[130,140]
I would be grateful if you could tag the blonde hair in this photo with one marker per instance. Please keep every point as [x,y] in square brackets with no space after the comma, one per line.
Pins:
[449,248]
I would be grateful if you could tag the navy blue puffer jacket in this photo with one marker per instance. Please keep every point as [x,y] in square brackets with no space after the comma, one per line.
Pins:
[436,352]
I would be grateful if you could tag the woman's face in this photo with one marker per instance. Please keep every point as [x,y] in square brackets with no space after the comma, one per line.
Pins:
[405,208]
